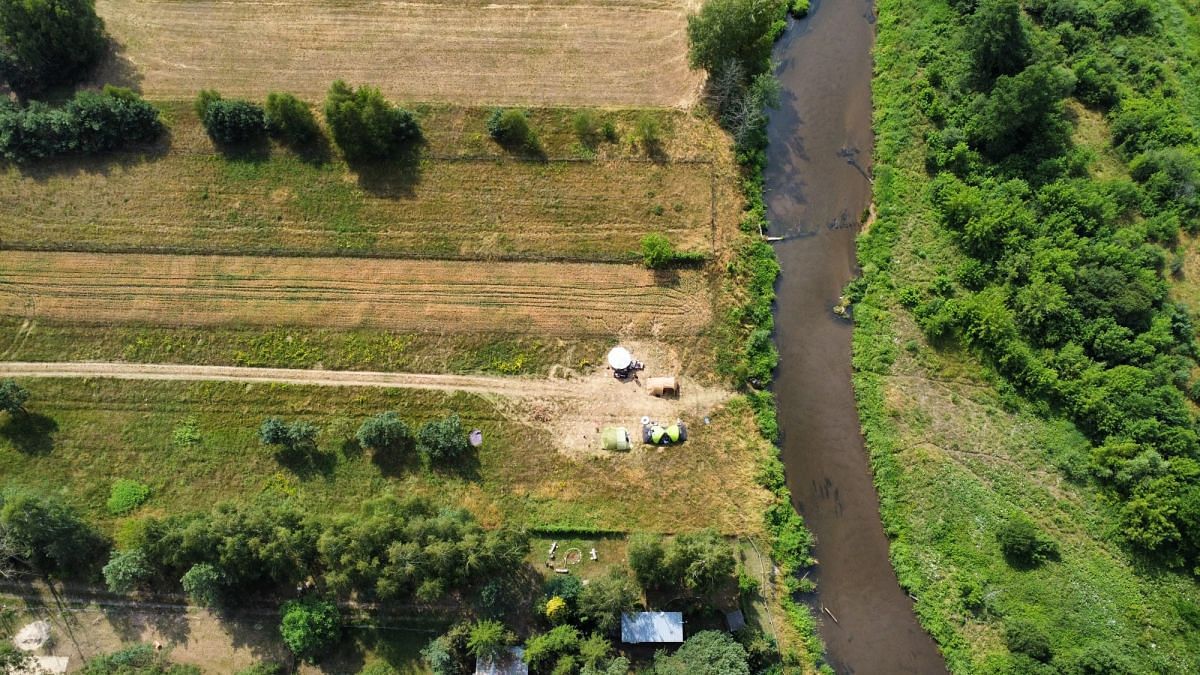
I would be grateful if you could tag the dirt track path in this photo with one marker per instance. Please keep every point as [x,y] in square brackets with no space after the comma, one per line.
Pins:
[504,386]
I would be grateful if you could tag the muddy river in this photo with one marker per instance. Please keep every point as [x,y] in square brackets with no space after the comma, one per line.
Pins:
[817,189]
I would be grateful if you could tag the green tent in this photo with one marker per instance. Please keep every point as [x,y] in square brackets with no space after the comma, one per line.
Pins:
[615,438]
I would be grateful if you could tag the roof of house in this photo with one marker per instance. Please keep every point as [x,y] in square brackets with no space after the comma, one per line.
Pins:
[639,627]
[513,664]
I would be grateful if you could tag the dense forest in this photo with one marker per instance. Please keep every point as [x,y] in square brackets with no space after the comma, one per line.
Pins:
[1037,175]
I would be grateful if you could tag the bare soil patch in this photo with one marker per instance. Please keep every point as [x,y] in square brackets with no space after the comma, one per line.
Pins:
[600,52]
[546,298]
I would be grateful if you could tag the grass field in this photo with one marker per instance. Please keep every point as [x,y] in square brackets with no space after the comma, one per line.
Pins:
[600,52]
[87,433]
[185,197]
[543,298]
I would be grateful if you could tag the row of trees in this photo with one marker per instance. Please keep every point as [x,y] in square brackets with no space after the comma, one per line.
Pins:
[395,550]
[363,124]
[90,123]
[440,441]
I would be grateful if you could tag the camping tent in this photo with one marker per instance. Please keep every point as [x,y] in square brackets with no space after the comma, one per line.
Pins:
[662,386]
[615,438]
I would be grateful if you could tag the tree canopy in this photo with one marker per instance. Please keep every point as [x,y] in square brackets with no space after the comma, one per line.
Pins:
[44,43]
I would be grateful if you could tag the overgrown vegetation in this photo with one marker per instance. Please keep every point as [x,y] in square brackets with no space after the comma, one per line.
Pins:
[365,126]
[90,123]
[999,236]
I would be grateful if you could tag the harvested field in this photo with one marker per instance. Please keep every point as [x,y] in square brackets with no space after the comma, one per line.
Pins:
[189,199]
[555,299]
[602,52]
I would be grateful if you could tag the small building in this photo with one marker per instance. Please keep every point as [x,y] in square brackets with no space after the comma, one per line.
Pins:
[651,627]
[615,438]
[735,620]
[512,663]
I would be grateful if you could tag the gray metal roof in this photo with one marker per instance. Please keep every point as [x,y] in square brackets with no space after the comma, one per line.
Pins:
[641,627]
[512,664]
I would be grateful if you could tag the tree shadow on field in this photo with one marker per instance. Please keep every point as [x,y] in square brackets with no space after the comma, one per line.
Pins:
[307,462]
[70,166]
[667,277]
[116,69]
[30,433]
[395,178]
[393,463]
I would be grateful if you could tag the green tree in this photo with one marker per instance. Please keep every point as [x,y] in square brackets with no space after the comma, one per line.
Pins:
[657,251]
[488,639]
[705,653]
[290,119]
[126,495]
[646,559]
[510,128]
[602,601]
[741,30]
[48,42]
[365,126]
[385,431]
[1024,637]
[126,570]
[310,627]
[234,122]
[541,650]
[447,654]
[1024,544]
[48,536]
[998,39]
[699,561]
[647,132]
[587,128]
[273,431]
[13,397]
[595,650]
[204,585]
[443,441]
[205,98]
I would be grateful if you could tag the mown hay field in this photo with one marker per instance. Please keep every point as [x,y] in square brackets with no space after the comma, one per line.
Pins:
[186,197]
[448,296]
[594,52]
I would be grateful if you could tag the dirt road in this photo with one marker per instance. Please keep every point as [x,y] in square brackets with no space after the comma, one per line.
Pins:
[574,410]
[505,386]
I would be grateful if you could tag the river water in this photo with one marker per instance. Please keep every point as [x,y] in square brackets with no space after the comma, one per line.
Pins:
[817,189]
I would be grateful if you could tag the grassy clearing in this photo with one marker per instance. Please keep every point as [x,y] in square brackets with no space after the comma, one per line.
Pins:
[955,452]
[473,202]
[301,348]
[543,298]
[600,52]
[196,444]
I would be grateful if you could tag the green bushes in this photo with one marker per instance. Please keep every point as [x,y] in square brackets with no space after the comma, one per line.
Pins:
[386,431]
[127,570]
[443,441]
[299,437]
[135,660]
[44,43]
[126,495]
[1024,544]
[741,31]
[231,122]
[310,627]
[695,562]
[290,120]
[13,397]
[204,584]
[47,537]
[510,128]
[365,126]
[1023,637]
[658,253]
[88,124]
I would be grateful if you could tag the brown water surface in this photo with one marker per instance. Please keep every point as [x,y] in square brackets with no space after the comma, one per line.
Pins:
[817,190]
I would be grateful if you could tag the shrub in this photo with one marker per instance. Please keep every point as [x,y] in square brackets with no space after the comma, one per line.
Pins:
[265,668]
[234,122]
[88,124]
[310,627]
[647,132]
[205,98]
[587,128]
[298,436]
[1024,544]
[135,660]
[290,119]
[48,42]
[558,642]
[126,570]
[699,561]
[657,251]
[385,431]
[204,585]
[365,126]
[510,128]
[705,653]
[443,441]
[13,397]
[737,30]
[126,495]
[646,556]
[488,639]
[1023,637]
